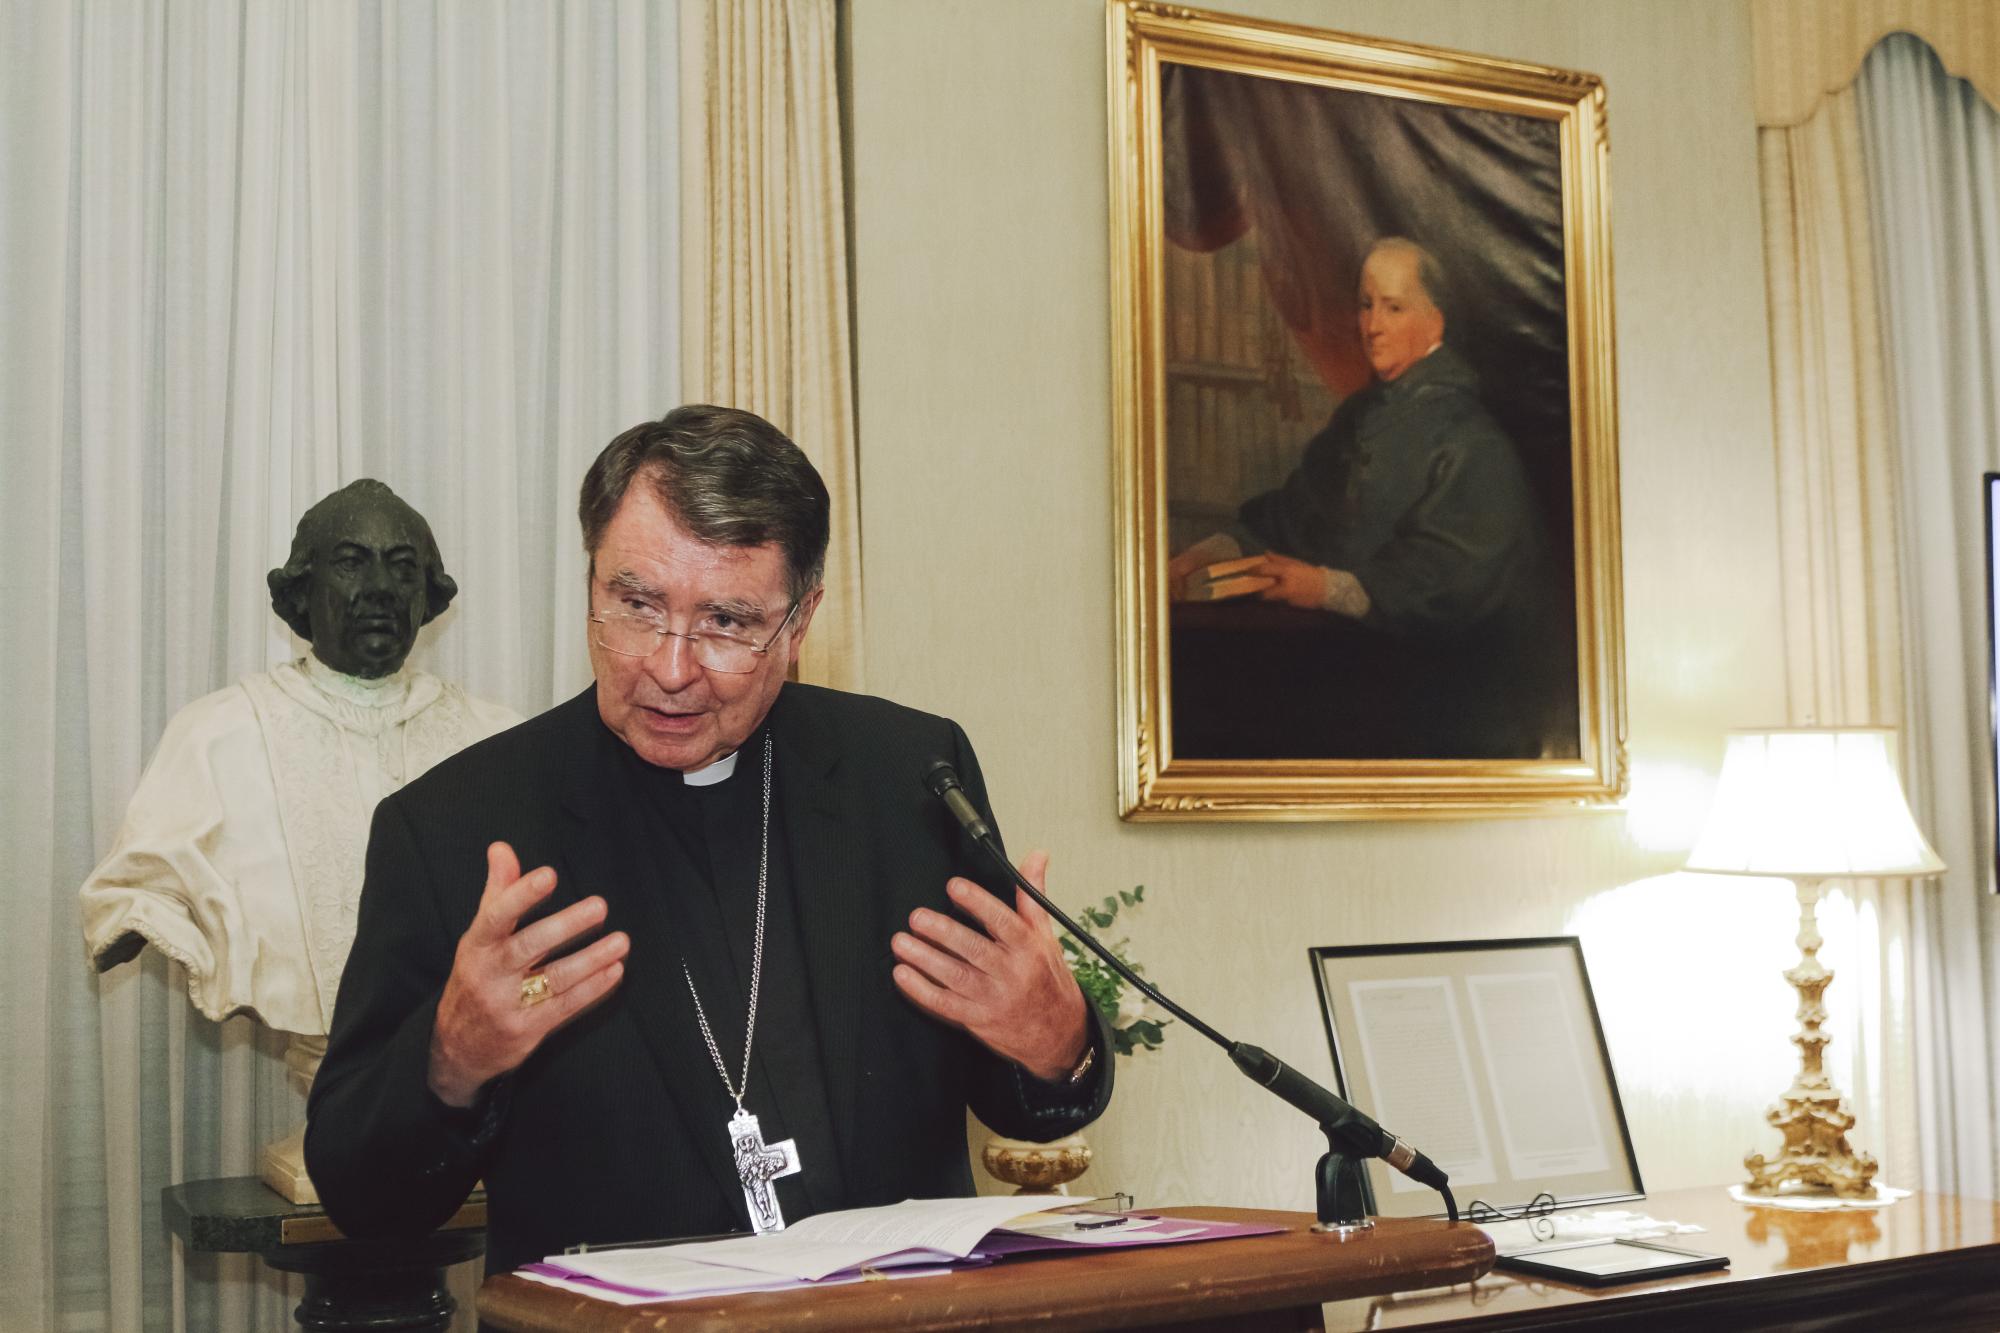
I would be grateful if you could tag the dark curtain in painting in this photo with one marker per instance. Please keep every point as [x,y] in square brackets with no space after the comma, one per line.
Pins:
[1319,174]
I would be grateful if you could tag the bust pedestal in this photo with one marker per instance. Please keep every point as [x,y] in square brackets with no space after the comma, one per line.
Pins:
[282,1163]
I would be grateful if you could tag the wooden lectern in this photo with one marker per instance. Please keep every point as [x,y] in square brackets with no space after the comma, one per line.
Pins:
[1253,1283]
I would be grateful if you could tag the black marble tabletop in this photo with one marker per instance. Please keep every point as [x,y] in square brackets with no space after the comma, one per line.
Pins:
[237,1214]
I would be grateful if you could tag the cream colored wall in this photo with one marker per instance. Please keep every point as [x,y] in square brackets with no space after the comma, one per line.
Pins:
[979,207]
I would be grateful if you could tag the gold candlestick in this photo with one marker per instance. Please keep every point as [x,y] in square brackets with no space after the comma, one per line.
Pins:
[1812,1115]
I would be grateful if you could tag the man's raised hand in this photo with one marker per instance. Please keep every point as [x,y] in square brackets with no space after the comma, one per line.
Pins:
[485,1027]
[1008,987]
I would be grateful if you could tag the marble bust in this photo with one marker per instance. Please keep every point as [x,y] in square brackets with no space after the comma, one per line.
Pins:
[241,853]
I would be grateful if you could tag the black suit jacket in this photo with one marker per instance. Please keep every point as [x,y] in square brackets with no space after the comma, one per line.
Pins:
[612,1130]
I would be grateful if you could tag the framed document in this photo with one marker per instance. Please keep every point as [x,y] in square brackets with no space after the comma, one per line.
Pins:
[1487,1056]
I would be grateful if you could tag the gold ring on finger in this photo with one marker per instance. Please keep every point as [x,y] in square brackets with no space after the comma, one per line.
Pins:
[534,989]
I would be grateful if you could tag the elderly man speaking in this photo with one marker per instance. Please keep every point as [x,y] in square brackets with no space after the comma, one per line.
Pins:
[694,951]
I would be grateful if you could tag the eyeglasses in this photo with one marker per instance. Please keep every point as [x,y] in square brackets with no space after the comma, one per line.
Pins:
[631,635]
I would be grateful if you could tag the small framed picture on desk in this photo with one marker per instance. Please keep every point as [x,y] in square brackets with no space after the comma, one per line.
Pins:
[1611,1263]
[1488,1055]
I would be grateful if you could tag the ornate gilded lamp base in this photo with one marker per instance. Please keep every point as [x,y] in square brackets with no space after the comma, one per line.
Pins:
[1816,1158]
[1812,1115]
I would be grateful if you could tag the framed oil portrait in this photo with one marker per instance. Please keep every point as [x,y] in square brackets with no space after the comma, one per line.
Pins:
[1364,424]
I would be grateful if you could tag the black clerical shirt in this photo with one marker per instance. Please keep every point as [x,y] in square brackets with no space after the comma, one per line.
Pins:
[709,839]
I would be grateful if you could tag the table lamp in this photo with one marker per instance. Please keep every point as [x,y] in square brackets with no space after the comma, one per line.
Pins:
[1810,804]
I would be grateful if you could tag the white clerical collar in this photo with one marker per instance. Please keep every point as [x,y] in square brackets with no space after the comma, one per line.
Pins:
[719,771]
[384,692]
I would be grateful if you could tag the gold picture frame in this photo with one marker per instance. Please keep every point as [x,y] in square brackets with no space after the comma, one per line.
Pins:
[1248,123]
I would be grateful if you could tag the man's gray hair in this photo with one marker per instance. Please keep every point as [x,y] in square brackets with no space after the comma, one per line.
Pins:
[291,582]
[1429,272]
[729,477]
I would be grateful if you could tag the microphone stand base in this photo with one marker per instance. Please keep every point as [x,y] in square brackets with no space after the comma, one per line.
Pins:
[1343,1206]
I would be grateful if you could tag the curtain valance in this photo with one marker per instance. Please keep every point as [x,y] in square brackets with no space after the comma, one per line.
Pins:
[1805,49]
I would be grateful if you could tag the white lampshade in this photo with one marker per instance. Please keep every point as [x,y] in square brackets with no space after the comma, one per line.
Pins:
[1810,803]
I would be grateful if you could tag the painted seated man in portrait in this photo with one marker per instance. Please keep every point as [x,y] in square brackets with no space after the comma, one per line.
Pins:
[1412,515]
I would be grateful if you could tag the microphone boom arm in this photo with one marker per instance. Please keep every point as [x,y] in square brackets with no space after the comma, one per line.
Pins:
[982,833]
[1346,1127]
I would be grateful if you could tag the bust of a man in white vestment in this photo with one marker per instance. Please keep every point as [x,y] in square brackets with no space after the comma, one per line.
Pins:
[241,853]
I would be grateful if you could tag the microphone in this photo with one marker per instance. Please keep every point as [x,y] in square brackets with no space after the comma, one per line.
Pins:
[1341,1121]
[942,779]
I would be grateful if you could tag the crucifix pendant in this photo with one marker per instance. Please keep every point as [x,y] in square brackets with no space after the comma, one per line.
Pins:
[758,1164]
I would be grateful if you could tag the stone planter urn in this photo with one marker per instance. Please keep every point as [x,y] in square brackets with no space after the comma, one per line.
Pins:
[1036,1168]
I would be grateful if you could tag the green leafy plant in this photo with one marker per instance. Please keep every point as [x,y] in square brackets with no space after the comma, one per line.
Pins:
[1131,1029]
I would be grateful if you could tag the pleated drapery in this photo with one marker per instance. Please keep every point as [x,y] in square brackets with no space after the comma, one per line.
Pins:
[1933,152]
[1882,231]
[766,319]
[247,254]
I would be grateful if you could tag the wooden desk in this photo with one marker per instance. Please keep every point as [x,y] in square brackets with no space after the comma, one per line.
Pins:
[1925,1262]
[1257,1282]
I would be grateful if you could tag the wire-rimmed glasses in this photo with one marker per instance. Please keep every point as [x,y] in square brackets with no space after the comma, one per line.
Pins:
[630,635]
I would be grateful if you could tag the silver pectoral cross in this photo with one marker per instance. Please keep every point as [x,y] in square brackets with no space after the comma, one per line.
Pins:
[757,1165]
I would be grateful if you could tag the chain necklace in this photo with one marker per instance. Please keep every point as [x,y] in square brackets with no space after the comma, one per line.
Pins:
[758,1164]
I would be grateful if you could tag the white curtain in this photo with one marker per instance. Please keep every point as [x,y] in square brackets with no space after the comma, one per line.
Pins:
[250,252]
[1836,471]
[1933,149]
[764,262]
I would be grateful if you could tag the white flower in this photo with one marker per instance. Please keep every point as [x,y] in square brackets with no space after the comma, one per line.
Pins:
[1131,1008]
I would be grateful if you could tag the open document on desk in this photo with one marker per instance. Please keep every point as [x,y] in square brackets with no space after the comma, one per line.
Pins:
[915,1238]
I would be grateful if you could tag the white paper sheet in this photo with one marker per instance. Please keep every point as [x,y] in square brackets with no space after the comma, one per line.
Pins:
[717,1282]
[1125,1232]
[1420,1074]
[1523,1236]
[914,1231]
[1549,1127]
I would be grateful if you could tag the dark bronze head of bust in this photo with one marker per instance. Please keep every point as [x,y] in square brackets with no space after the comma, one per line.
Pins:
[363,577]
